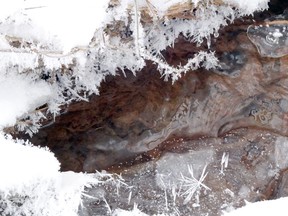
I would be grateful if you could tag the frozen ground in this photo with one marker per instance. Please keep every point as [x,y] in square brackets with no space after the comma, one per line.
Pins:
[212,176]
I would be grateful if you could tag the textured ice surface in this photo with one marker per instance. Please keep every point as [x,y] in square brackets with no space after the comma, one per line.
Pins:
[271,38]
[157,187]
[281,152]
[172,165]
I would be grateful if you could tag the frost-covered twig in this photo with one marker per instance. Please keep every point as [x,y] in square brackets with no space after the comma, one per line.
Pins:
[206,59]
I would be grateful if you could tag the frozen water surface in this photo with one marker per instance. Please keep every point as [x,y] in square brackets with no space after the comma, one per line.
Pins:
[270,39]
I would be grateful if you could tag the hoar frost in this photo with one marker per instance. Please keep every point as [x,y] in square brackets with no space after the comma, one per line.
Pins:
[122,41]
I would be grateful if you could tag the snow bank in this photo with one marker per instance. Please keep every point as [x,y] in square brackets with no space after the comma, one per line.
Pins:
[277,207]
[19,95]
[30,178]
[249,6]
[21,164]
[134,212]
[31,182]
[66,23]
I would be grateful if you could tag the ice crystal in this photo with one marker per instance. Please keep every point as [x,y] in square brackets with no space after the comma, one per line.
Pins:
[191,185]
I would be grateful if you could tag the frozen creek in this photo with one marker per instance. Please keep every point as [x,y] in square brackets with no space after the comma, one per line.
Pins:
[231,124]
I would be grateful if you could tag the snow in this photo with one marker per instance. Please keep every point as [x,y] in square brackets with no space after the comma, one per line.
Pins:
[68,24]
[71,23]
[134,212]
[162,8]
[31,174]
[249,6]
[277,207]
[277,33]
[18,96]
[17,157]
[26,170]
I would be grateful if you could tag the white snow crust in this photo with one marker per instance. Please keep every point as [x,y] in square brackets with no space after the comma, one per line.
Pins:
[18,96]
[249,5]
[277,207]
[66,23]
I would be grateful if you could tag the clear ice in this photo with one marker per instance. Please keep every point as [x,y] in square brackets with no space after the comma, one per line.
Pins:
[271,39]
